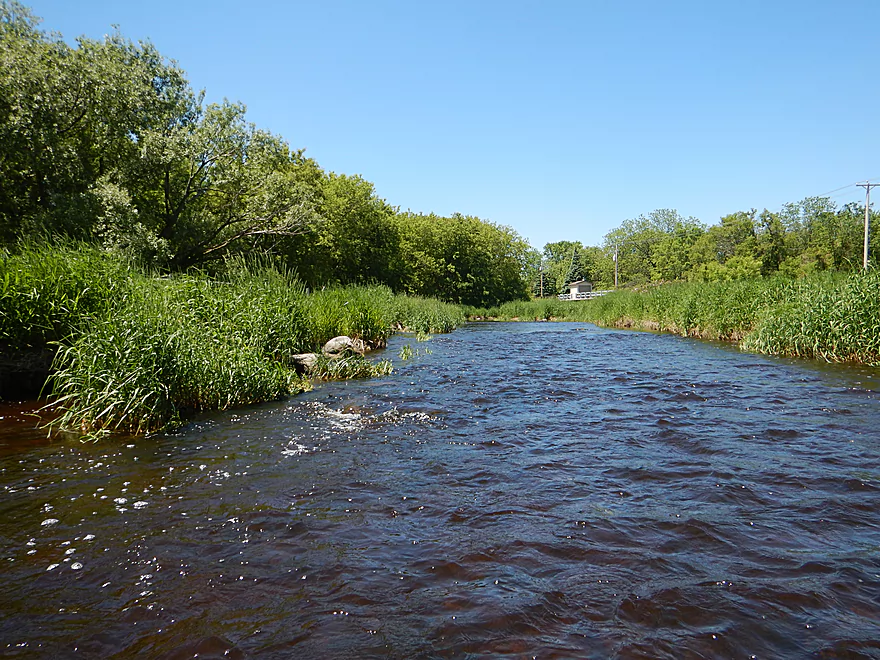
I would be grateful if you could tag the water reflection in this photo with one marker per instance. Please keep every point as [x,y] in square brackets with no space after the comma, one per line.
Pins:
[550,490]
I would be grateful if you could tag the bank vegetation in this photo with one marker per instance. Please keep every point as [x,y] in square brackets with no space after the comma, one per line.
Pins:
[831,316]
[134,352]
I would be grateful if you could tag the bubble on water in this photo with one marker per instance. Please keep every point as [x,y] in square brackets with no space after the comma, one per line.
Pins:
[75,566]
[120,500]
[88,537]
[140,505]
[52,567]
[49,521]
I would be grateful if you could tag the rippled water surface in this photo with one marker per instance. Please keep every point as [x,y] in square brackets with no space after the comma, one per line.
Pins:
[548,490]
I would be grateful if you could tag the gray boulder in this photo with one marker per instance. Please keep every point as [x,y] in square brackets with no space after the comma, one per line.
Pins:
[303,363]
[339,346]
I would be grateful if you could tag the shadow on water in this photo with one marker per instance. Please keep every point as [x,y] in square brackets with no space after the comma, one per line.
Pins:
[535,489]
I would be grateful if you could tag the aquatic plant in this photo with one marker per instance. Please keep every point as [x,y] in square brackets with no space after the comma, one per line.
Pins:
[49,292]
[426,315]
[827,315]
[836,323]
[138,352]
[353,366]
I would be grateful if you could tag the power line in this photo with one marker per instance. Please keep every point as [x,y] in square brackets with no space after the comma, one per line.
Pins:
[849,185]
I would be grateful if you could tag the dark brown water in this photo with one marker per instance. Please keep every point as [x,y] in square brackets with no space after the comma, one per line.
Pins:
[525,490]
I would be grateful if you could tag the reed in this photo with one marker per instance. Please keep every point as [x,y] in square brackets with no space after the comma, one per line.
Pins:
[47,293]
[137,353]
[839,323]
[425,315]
[830,316]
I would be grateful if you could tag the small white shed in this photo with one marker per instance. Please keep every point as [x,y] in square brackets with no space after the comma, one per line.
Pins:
[581,286]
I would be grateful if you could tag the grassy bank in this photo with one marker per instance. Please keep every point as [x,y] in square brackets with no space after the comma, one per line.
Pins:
[137,353]
[829,316]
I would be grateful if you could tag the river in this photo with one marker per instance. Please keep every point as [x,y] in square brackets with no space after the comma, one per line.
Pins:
[524,490]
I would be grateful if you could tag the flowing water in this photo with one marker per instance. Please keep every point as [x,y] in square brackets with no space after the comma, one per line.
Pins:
[524,490]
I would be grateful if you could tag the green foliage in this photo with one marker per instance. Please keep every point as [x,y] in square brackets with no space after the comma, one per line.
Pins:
[569,261]
[822,317]
[425,315]
[463,259]
[67,117]
[358,240]
[106,142]
[533,310]
[827,316]
[654,247]
[347,368]
[137,352]
[47,295]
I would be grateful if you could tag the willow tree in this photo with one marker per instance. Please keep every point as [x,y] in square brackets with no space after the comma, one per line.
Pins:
[208,182]
[68,116]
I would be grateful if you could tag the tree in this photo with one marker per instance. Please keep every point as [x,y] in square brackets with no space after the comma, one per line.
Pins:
[463,259]
[656,246]
[560,257]
[208,182]
[358,240]
[68,116]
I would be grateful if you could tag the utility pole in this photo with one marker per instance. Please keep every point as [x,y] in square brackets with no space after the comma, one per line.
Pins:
[867,185]
[615,265]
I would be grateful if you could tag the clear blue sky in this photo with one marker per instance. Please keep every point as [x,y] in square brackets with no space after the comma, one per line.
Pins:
[558,118]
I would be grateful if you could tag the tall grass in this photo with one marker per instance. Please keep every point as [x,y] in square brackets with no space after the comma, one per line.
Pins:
[831,316]
[840,323]
[174,348]
[425,315]
[137,353]
[46,294]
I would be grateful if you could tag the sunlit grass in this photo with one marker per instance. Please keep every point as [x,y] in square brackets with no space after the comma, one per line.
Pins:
[138,353]
[830,316]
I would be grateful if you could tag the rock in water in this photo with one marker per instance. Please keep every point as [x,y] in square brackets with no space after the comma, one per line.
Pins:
[303,363]
[339,346]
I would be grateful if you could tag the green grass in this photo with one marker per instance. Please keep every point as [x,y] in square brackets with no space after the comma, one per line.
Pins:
[425,315]
[137,353]
[830,316]
[47,294]
[839,323]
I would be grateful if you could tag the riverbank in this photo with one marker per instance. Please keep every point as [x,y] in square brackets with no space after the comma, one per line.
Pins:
[829,316]
[135,353]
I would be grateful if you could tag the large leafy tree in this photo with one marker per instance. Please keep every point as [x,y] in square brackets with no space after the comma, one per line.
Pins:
[68,116]
[464,259]
[562,259]
[359,242]
[654,246]
[208,182]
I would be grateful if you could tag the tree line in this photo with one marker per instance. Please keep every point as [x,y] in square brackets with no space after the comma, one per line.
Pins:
[106,141]
[800,239]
